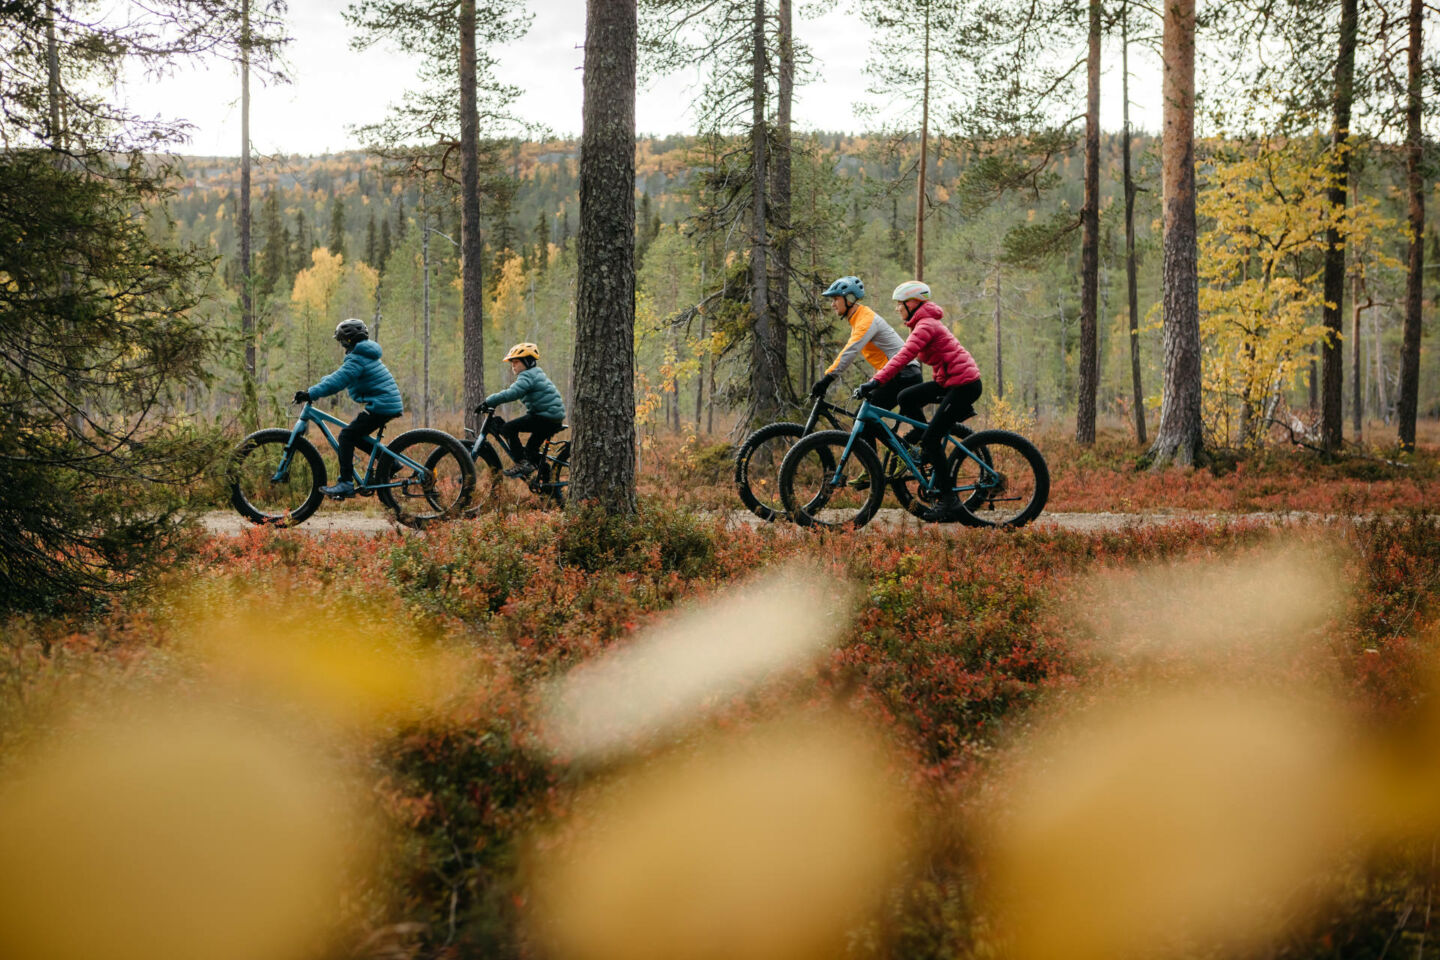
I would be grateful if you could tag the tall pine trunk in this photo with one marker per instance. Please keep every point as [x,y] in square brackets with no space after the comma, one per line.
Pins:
[999,356]
[247,308]
[780,219]
[1131,283]
[1408,404]
[924,156]
[765,395]
[1332,365]
[604,380]
[1357,399]
[1090,245]
[1179,438]
[472,244]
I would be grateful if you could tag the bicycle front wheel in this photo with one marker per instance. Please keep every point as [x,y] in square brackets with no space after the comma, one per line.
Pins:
[757,468]
[821,486]
[272,482]
[1010,489]
[441,491]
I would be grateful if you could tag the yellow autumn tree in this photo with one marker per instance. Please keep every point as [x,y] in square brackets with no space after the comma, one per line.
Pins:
[326,292]
[311,294]
[1266,210]
[508,313]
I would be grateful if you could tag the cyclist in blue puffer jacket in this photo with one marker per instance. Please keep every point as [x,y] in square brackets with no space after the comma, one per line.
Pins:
[544,409]
[370,383]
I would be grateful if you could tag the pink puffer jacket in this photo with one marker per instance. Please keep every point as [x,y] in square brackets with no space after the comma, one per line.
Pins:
[935,345]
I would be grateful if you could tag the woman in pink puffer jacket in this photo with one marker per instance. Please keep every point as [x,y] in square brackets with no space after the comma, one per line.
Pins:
[955,388]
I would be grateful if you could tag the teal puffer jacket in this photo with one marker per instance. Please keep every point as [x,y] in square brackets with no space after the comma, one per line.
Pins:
[536,391]
[367,379]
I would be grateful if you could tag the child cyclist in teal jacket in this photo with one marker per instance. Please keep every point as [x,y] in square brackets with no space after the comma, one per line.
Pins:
[370,383]
[544,409]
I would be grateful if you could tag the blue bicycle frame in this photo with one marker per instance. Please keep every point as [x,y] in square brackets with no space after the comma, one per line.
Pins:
[868,414]
[320,418]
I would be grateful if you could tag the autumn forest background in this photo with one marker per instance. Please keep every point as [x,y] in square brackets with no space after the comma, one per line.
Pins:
[1189,711]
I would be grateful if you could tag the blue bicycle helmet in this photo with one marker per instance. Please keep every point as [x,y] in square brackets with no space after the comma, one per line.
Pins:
[846,287]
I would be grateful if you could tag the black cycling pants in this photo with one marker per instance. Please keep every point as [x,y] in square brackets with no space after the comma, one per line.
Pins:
[356,433]
[540,430]
[957,404]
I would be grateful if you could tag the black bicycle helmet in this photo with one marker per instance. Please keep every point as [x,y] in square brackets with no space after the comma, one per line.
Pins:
[350,332]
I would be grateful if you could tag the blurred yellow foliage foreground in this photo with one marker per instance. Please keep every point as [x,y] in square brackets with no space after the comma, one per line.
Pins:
[1200,796]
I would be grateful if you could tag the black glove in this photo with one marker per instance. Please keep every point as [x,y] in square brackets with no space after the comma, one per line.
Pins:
[482,408]
[867,388]
[302,396]
[822,385]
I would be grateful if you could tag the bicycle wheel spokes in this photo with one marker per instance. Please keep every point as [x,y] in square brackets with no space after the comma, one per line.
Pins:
[1012,490]
[442,489]
[822,486]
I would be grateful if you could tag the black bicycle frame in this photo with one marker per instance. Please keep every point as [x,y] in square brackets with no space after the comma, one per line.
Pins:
[484,432]
[823,408]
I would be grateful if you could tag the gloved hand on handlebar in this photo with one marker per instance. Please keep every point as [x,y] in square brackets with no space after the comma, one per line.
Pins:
[301,396]
[821,385]
[867,388]
[481,408]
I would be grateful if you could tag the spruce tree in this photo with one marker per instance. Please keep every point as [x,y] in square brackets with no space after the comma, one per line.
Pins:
[336,243]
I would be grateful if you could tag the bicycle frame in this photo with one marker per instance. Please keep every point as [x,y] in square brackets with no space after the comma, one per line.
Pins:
[868,414]
[321,419]
[484,431]
[826,409]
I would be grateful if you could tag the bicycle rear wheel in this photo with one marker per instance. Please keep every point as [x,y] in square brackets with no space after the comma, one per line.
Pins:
[441,492]
[821,486]
[552,480]
[270,484]
[1012,487]
[757,468]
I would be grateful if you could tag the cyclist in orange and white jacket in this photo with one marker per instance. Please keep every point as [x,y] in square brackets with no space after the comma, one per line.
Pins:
[875,340]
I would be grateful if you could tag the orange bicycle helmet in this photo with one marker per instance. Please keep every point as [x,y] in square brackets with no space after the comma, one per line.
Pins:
[522,350]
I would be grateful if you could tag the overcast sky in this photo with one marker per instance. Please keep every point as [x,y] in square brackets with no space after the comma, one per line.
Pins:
[336,88]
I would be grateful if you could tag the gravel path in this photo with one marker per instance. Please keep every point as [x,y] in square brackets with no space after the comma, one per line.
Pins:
[353,521]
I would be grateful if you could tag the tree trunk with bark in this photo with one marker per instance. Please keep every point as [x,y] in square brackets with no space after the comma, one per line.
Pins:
[1409,402]
[1179,438]
[999,357]
[779,211]
[1332,371]
[603,456]
[472,244]
[766,365]
[924,156]
[1131,282]
[247,307]
[1357,401]
[1090,246]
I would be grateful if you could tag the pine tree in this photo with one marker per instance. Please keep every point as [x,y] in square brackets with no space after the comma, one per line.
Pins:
[371,250]
[300,252]
[542,241]
[336,243]
[384,243]
[275,257]
[604,391]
